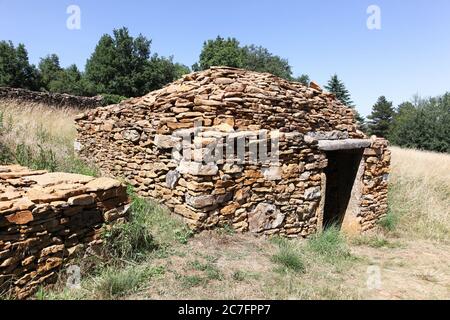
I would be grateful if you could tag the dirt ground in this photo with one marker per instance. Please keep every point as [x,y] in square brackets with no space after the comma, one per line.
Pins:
[244,270]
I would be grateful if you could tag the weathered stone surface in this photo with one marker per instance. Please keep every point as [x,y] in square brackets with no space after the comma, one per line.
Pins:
[172,178]
[312,193]
[166,142]
[196,168]
[82,200]
[131,135]
[264,216]
[102,183]
[44,215]
[200,201]
[54,178]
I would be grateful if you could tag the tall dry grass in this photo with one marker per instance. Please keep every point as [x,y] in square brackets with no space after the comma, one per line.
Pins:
[420,193]
[34,133]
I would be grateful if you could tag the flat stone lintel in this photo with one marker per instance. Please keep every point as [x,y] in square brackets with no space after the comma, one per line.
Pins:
[346,144]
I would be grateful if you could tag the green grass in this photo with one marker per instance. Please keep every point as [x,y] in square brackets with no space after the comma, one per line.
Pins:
[165,228]
[116,282]
[131,240]
[192,281]
[330,244]
[288,257]
[375,241]
[389,222]
[210,270]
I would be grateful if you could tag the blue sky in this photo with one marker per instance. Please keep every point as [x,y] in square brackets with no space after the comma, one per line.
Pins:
[409,55]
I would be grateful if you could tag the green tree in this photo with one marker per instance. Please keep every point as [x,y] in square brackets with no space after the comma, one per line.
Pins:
[158,71]
[180,70]
[50,70]
[122,65]
[304,79]
[221,52]
[257,58]
[423,124]
[69,80]
[15,68]
[117,64]
[228,52]
[337,87]
[380,120]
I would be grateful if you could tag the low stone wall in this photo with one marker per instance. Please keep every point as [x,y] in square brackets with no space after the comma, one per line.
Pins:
[47,218]
[57,100]
[374,201]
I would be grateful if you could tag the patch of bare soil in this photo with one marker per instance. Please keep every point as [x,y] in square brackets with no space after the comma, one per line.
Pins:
[213,265]
[414,270]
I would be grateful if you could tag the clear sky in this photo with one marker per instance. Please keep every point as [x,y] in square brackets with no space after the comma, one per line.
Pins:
[409,55]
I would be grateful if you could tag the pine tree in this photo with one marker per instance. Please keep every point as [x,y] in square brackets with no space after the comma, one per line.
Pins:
[15,68]
[381,118]
[337,87]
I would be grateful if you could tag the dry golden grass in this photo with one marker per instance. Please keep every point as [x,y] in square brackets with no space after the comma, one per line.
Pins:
[420,193]
[37,124]
[39,136]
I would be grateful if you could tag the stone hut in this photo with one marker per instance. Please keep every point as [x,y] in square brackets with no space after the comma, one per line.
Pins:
[250,150]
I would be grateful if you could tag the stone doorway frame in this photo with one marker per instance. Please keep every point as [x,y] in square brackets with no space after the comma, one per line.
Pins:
[351,224]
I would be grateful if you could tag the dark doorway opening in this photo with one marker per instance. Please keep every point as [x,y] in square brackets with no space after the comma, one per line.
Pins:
[340,177]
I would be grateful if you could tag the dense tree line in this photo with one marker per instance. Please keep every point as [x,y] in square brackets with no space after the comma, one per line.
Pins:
[120,65]
[421,124]
[123,65]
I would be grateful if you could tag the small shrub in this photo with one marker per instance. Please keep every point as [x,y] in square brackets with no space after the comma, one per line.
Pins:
[76,165]
[165,228]
[114,282]
[182,235]
[288,257]
[42,159]
[109,99]
[212,272]
[330,244]
[373,241]
[238,276]
[389,222]
[192,281]
[41,294]
[45,160]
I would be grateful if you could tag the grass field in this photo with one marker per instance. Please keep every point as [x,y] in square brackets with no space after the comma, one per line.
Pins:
[156,257]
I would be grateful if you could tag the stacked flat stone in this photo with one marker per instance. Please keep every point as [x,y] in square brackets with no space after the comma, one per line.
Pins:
[374,202]
[141,140]
[53,99]
[48,218]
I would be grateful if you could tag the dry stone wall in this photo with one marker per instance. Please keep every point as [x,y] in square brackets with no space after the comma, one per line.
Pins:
[48,218]
[168,145]
[58,100]
[374,201]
